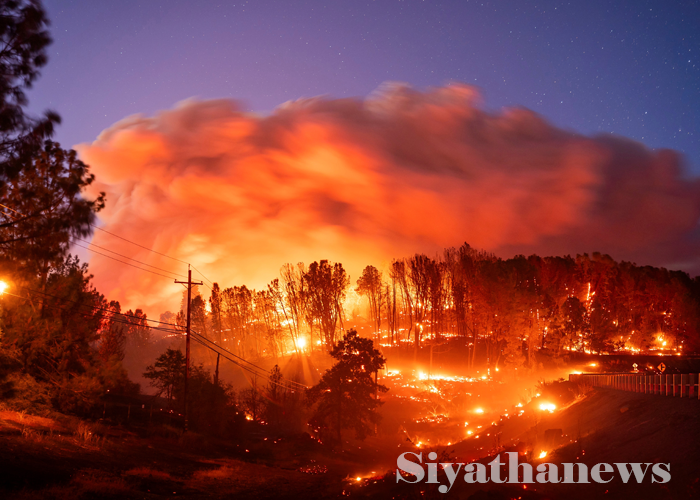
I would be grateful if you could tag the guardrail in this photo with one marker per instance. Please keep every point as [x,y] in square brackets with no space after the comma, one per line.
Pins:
[681,385]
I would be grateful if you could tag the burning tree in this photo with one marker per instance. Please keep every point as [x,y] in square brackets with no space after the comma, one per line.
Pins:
[370,286]
[347,395]
[326,285]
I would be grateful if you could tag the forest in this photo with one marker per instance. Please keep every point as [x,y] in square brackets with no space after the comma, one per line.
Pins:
[503,309]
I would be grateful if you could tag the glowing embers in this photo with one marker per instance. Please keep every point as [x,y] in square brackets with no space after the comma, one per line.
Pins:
[433,419]
[550,407]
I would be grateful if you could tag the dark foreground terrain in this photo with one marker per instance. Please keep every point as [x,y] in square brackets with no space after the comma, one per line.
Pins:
[43,458]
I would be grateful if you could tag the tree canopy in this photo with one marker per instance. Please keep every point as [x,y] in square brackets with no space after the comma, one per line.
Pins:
[346,395]
[24,38]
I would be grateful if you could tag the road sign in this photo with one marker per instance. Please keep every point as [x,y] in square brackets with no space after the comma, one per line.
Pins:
[661,367]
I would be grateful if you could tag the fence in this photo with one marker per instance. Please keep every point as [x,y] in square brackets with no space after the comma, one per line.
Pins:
[136,413]
[682,385]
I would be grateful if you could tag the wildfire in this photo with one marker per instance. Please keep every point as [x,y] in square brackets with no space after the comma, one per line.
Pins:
[550,407]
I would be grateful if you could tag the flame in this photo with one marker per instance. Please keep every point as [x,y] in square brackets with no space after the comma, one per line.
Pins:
[550,407]
[543,454]
[479,410]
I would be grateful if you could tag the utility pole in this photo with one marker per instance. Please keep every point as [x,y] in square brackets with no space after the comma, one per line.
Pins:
[189,284]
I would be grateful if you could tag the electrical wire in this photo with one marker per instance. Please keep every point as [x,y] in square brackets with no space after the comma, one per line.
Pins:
[126,257]
[242,359]
[94,307]
[121,261]
[177,328]
[155,251]
[263,375]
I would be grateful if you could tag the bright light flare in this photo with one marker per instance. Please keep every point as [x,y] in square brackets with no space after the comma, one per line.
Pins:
[301,342]
[358,479]
[479,410]
[543,454]
[550,407]
[3,287]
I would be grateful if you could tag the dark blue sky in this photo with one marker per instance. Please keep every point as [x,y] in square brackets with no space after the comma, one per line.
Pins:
[627,67]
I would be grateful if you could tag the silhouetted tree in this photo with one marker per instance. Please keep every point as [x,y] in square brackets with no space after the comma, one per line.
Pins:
[113,333]
[24,39]
[47,209]
[346,395]
[167,373]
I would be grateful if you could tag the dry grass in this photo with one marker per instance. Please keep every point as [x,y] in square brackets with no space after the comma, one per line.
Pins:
[21,419]
[89,434]
[582,389]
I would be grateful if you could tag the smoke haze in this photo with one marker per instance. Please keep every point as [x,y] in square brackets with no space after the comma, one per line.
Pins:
[363,181]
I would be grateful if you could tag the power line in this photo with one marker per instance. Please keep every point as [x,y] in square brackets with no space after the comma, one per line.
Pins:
[176,326]
[85,314]
[126,257]
[158,253]
[128,241]
[202,337]
[264,375]
[141,246]
[121,261]
[95,307]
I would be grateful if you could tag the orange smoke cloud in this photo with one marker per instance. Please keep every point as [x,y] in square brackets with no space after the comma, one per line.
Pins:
[362,181]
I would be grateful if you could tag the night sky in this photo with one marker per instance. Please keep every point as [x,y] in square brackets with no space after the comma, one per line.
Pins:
[630,68]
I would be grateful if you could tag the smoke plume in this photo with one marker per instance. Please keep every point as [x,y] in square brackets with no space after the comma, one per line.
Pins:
[362,181]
